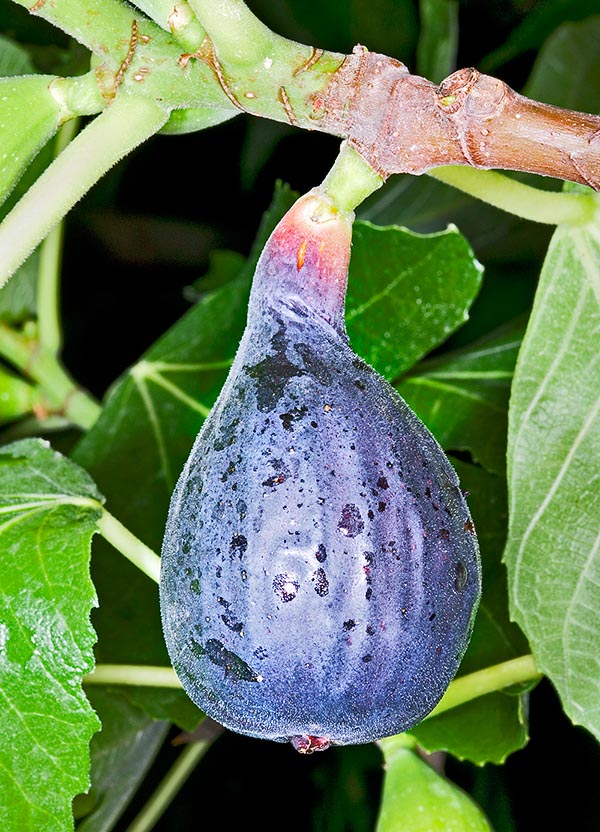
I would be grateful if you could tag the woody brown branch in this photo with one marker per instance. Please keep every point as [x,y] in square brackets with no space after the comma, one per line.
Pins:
[402,123]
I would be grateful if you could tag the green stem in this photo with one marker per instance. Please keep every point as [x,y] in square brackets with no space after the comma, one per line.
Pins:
[489,680]
[133,674]
[49,330]
[110,136]
[350,180]
[41,364]
[129,545]
[177,18]
[170,785]
[101,25]
[238,35]
[517,198]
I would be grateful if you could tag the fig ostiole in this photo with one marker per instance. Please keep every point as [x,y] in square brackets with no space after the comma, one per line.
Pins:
[320,571]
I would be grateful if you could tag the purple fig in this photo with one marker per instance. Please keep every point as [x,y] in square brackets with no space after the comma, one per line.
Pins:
[320,570]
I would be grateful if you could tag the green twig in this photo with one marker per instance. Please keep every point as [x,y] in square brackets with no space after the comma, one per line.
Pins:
[171,784]
[129,545]
[139,675]
[49,329]
[239,36]
[519,199]
[63,396]
[101,25]
[177,18]
[115,132]
[488,680]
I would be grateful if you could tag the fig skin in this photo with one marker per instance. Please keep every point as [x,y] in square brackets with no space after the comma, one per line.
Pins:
[320,571]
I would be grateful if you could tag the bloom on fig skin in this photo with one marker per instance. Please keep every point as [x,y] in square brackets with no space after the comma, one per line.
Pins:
[320,571]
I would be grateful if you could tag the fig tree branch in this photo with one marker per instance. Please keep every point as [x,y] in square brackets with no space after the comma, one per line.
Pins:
[398,122]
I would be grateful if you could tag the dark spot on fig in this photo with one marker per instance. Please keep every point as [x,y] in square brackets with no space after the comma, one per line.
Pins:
[444,534]
[314,364]
[432,616]
[367,658]
[230,622]
[382,483]
[321,554]
[227,436]
[238,545]
[381,506]
[216,652]
[321,583]
[281,473]
[273,373]
[314,424]
[369,593]
[461,575]
[351,523]
[349,625]
[469,527]
[286,420]
[286,587]
[370,630]
[370,514]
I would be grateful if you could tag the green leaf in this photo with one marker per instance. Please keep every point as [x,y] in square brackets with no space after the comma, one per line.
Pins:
[567,70]
[418,799]
[553,551]
[18,300]
[14,59]
[501,725]
[536,27]
[135,452]
[121,756]
[462,396]
[438,39]
[406,293]
[29,117]
[49,510]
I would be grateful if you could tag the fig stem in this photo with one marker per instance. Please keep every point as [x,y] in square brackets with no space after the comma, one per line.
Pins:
[129,545]
[496,677]
[520,199]
[125,124]
[48,284]
[351,179]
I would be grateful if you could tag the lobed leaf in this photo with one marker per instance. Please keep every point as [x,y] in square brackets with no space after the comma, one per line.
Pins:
[121,755]
[462,396]
[553,549]
[406,293]
[49,508]
[567,70]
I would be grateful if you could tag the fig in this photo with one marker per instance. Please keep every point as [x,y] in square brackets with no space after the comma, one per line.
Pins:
[320,570]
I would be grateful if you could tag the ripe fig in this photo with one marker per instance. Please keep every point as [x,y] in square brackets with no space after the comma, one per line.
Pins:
[320,571]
